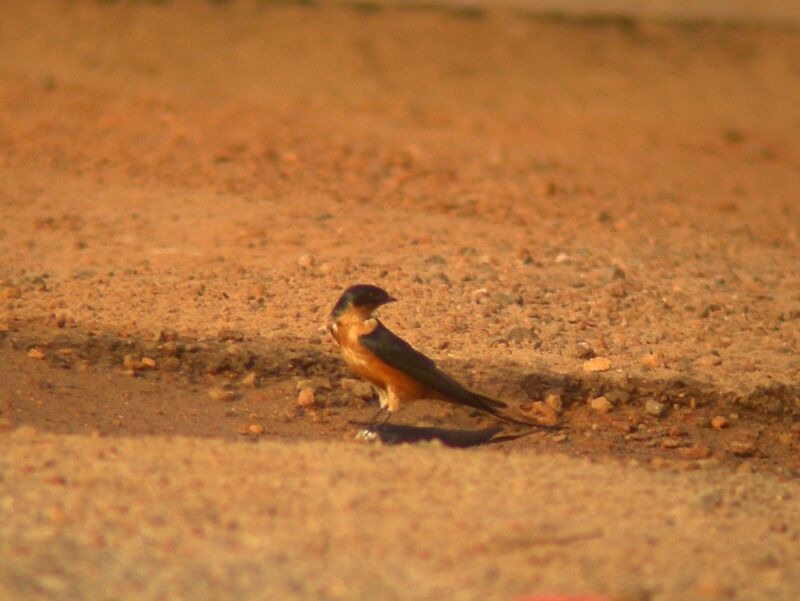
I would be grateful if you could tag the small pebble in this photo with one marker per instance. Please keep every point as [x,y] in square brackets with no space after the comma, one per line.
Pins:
[222,394]
[616,273]
[698,451]
[622,426]
[618,290]
[504,299]
[651,361]
[547,189]
[255,429]
[520,335]
[554,400]
[256,291]
[543,414]
[363,390]
[322,382]
[441,278]
[228,335]
[618,397]
[436,260]
[601,404]
[597,364]
[306,262]
[167,335]
[249,380]
[709,360]
[583,350]
[719,422]
[655,408]
[36,353]
[148,363]
[677,431]
[709,500]
[306,397]
[479,295]
[742,449]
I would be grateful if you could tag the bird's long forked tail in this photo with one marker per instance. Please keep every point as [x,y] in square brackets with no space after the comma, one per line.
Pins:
[496,408]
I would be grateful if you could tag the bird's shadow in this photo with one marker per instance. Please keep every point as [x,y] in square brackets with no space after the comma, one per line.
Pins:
[393,434]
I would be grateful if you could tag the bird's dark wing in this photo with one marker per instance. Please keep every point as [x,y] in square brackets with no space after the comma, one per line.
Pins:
[400,355]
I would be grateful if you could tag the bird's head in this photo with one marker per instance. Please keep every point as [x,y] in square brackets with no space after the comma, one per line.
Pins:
[360,301]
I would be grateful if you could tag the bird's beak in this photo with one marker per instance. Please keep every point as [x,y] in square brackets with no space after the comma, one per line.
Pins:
[391,299]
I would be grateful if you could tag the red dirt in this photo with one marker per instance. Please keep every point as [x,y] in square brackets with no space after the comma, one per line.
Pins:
[195,183]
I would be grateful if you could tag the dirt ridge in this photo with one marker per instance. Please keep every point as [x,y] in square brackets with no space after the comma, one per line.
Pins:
[231,355]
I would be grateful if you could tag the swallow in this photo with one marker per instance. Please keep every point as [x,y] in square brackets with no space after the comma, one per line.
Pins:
[398,371]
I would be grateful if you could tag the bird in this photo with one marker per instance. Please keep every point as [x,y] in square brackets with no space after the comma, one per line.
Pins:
[399,372]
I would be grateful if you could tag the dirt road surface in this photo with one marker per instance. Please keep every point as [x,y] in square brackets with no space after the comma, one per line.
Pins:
[596,220]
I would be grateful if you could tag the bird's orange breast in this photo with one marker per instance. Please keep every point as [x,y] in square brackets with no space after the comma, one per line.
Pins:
[362,361]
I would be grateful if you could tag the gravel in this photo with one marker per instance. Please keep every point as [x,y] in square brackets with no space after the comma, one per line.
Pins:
[139,518]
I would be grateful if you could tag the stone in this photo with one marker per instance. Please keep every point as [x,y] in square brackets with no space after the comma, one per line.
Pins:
[554,400]
[654,408]
[521,335]
[709,500]
[543,414]
[363,390]
[710,360]
[719,422]
[222,394]
[249,380]
[36,353]
[597,364]
[167,335]
[651,361]
[601,404]
[479,295]
[742,448]
[229,335]
[306,397]
[306,262]
[583,350]
[695,452]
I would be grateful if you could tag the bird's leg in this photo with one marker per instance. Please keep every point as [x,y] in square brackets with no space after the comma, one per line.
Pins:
[383,399]
[377,415]
[392,402]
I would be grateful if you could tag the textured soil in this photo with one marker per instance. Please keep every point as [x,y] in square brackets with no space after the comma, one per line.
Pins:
[596,220]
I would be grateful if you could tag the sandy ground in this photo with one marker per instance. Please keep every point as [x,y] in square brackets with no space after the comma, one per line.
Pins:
[595,220]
